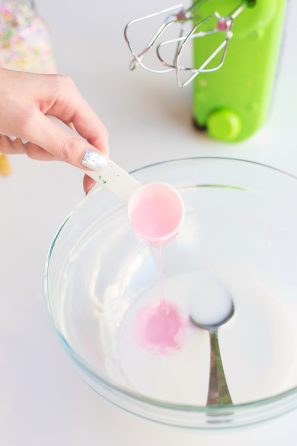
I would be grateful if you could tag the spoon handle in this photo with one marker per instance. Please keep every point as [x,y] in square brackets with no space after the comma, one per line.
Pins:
[114,178]
[218,392]
[110,175]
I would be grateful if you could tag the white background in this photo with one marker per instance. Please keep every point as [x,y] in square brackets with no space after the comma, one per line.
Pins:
[42,399]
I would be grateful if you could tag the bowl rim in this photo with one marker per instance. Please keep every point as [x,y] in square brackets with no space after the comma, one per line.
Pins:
[117,389]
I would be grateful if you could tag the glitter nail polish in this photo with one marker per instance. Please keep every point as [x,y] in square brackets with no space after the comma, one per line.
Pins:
[93,160]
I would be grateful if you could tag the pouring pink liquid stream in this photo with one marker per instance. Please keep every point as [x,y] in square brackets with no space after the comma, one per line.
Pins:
[156,211]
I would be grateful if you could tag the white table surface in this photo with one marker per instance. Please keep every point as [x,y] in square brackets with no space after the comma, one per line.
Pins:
[42,399]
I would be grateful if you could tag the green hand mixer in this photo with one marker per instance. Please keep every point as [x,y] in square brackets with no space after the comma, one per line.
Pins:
[234,49]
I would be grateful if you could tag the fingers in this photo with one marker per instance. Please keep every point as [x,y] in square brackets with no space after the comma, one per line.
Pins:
[56,95]
[37,153]
[88,184]
[10,147]
[13,147]
[89,126]
[71,107]
[61,143]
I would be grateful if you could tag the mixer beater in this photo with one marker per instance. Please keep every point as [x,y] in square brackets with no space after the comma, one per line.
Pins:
[222,24]
[234,47]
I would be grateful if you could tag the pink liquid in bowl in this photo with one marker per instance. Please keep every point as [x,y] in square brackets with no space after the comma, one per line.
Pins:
[156,211]
[160,327]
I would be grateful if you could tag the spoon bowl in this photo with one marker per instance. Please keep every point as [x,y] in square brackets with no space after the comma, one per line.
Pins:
[156,212]
[214,305]
[213,309]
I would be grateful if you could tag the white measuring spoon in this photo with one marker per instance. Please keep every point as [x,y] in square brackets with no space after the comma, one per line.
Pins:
[155,210]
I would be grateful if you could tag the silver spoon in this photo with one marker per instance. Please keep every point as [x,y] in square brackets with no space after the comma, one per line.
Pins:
[213,308]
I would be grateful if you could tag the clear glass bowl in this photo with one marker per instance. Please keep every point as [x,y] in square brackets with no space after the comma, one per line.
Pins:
[240,225]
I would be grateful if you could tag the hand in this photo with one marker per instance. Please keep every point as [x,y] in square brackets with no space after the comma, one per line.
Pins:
[27,98]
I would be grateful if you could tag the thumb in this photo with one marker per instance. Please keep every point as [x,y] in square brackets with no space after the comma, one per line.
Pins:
[63,143]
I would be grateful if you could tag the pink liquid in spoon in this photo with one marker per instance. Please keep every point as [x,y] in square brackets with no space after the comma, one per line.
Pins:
[156,211]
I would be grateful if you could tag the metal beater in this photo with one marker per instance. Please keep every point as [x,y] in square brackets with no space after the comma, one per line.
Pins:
[230,103]
[179,15]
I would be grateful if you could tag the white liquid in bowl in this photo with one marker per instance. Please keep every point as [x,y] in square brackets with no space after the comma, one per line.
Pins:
[258,345]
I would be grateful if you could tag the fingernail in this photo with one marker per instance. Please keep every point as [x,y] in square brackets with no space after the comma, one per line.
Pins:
[14,138]
[93,160]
